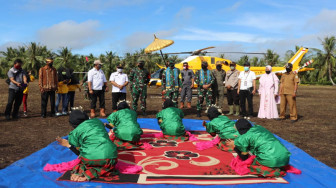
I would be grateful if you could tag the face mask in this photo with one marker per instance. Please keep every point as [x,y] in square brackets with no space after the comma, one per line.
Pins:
[119,70]
[204,66]
[50,64]
[17,66]
[219,67]
[232,67]
[267,72]
[172,65]
[140,66]
[99,66]
[288,70]
[246,68]
[63,73]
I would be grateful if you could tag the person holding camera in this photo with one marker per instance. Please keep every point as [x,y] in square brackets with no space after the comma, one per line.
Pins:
[97,88]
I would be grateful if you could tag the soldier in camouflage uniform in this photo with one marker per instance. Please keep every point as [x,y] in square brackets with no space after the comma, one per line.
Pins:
[218,86]
[171,83]
[139,78]
[204,80]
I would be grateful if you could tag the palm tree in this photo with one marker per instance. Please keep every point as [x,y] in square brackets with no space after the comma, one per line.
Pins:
[243,59]
[65,58]
[325,60]
[35,57]
[271,57]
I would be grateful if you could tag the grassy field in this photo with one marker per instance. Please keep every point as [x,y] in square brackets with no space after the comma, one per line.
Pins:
[314,132]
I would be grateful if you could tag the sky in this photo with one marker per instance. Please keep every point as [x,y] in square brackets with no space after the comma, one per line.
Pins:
[121,26]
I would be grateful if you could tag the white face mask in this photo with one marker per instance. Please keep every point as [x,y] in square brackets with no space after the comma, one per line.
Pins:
[119,70]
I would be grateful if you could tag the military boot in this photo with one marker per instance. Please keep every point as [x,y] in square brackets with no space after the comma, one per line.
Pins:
[231,110]
[181,105]
[189,105]
[237,110]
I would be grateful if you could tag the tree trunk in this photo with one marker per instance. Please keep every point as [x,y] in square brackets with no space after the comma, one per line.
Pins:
[330,74]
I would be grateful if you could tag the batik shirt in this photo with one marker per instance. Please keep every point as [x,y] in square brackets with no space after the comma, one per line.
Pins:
[204,77]
[171,79]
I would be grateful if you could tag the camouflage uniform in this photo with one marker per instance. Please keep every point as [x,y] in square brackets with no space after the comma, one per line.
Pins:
[201,92]
[218,87]
[172,84]
[139,78]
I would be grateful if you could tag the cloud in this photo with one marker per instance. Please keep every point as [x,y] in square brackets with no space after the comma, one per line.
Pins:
[234,7]
[142,39]
[71,34]
[3,47]
[159,10]
[324,22]
[88,5]
[264,22]
[207,35]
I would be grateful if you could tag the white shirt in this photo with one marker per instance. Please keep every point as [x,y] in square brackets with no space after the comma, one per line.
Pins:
[120,79]
[97,78]
[246,79]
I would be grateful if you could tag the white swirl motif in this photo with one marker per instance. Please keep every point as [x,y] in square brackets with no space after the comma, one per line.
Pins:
[155,161]
[211,162]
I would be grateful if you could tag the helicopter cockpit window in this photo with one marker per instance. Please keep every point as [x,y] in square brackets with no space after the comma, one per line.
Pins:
[212,60]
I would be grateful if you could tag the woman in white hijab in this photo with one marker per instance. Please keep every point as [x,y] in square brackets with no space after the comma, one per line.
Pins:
[268,92]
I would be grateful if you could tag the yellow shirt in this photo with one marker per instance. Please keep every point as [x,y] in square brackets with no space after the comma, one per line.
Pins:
[32,78]
[73,87]
[62,88]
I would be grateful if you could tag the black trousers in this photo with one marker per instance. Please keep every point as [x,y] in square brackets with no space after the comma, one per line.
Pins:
[14,96]
[246,95]
[98,94]
[44,102]
[117,96]
[232,97]
[71,99]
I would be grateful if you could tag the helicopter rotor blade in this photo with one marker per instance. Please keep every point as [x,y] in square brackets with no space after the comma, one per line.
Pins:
[237,52]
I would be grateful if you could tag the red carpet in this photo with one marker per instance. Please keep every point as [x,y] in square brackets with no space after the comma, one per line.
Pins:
[171,162]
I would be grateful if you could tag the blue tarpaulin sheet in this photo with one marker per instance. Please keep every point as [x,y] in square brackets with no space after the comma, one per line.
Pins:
[28,172]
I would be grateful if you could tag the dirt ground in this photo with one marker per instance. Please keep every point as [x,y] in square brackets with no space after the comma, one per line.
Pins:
[314,132]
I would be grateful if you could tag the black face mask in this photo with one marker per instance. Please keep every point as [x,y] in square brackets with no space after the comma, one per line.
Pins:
[288,70]
[50,64]
[267,72]
[204,66]
[219,67]
[172,65]
[140,66]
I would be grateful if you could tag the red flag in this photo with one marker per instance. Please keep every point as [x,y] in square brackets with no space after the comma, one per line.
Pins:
[87,59]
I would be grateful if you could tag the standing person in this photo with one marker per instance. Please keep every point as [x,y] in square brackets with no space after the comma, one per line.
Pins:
[119,81]
[62,90]
[268,91]
[171,83]
[17,83]
[30,78]
[97,87]
[72,86]
[231,84]
[246,90]
[188,78]
[139,78]
[48,80]
[288,87]
[218,86]
[204,80]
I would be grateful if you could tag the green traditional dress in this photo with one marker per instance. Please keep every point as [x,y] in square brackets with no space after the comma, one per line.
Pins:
[126,129]
[224,128]
[270,153]
[98,153]
[171,124]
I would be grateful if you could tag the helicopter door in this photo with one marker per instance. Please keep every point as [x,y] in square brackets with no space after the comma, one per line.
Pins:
[213,60]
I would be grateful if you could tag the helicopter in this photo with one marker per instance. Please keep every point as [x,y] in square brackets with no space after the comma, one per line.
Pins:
[197,57]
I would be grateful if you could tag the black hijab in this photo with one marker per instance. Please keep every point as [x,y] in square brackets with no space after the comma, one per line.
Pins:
[213,113]
[168,103]
[242,126]
[77,117]
[122,105]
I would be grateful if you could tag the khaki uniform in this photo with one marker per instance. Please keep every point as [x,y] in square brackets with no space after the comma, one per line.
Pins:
[287,82]
[218,87]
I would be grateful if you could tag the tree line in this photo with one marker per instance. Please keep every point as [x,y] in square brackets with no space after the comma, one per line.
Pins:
[34,54]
